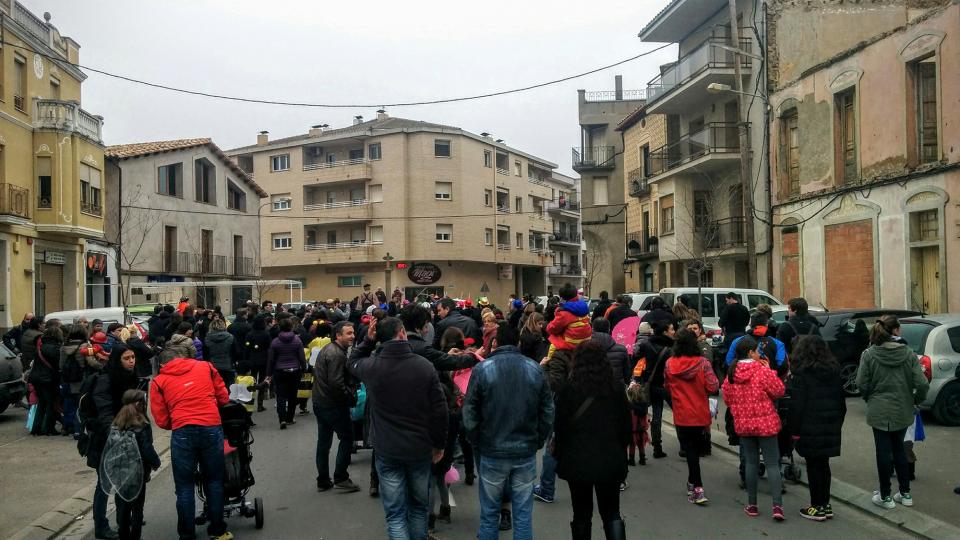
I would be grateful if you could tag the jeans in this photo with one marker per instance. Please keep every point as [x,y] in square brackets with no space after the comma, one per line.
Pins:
[751,447]
[70,402]
[891,456]
[100,520]
[818,477]
[285,386]
[513,475]
[691,441]
[330,420]
[548,473]
[608,501]
[190,446]
[130,515]
[405,494]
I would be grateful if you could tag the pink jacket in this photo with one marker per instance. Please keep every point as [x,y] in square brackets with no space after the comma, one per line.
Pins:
[751,397]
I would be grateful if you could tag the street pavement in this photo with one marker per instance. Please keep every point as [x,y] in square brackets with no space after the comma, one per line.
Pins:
[654,506]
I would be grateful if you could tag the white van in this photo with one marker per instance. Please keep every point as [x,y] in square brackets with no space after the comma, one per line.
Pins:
[714,298]
[107,315]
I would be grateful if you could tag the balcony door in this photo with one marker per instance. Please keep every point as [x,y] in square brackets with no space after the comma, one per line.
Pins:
[731,117]
[169,249]
[206,250]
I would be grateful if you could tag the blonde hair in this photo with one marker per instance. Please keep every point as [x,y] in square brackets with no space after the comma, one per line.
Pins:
[133,414]
[484,312]
[489,317]
[218,325]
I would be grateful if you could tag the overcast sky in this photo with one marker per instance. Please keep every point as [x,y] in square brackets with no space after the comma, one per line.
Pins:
[347,52]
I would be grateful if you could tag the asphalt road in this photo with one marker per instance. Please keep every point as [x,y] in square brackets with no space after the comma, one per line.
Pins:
[654,506]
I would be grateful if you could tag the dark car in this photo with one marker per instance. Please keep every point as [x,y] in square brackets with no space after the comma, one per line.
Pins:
[847,333]
[12,388]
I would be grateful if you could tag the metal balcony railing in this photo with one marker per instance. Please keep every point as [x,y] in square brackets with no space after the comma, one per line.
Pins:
[211,264]
[565,270]
[641,245]
[178,261]
[503,208]
[726,233]
[505,172]
[67,116]
[342,204]
[611,95]
[244,266]
[639,186]
[568,238]
[706,56]
[18,103]
[356,244]
[503,247]
[330,164]
[715,137]
[594,157]
[565,204]
[14,200]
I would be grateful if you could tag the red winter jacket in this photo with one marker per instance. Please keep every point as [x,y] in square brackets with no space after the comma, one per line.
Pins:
[689,379]
[751,397]
[568,330]
[187,392]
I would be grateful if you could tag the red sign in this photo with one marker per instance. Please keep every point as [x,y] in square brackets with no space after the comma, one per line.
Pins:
[401,266]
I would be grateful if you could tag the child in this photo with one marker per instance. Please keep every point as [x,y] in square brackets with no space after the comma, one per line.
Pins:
[244,387]
[321,331]
[750,391]
[571,322]
[132,417]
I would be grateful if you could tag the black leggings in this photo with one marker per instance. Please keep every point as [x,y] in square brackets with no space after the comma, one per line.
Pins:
[608,501]
[691,442]
[467,450]
[45,418]
[818,476]
[891,456]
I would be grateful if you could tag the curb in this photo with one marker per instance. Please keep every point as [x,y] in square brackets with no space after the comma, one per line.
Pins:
[912,521]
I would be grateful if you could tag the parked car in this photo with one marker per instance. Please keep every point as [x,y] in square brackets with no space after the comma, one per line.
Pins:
[847,333]
[936,340]
[107,315]
[714,298]
[781,312]
[12,388]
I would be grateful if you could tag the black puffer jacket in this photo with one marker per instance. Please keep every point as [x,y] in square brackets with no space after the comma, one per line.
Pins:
[218,350]
[590,448]
[158,327]
[816,410]
[798,325]
[440,360]
[533,345]
[651,350]
[616,355]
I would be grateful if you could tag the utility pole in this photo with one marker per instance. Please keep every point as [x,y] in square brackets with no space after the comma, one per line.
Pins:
[746,176]
[387,271]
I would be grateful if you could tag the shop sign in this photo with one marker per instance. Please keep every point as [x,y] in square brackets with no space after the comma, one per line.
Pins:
[97,263]
[506,271]
[54,257]
[424,273]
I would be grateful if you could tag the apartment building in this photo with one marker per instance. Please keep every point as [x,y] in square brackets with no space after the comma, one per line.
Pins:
[703,210]
[186,218]
[864,156]
[599,160]
[402,203]
[566,240]
[642,268]
[51,169]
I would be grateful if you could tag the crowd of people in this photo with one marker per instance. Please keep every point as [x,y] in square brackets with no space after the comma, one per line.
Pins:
[430,382]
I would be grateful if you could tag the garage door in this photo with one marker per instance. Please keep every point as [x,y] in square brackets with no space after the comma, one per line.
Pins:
[52,277]
[848,265]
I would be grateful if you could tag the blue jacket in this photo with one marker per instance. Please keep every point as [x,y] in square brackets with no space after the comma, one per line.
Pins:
[508,410]
[781,356]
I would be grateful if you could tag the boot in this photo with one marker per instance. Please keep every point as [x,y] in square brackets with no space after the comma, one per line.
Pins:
[615,530]
[658,451]
[580,530]
[444,514]
[260,393]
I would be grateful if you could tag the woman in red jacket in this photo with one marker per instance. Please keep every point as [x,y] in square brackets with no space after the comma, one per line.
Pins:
[689,378]
[750,391]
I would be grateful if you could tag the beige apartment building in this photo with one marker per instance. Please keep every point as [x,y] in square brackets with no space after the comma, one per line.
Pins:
[402,203]
[566,240]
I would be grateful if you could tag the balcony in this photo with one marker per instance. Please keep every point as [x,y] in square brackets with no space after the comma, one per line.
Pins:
[212,264]
[594,158]
[613,95]
[639,186]
[67,116]
[726,233]
[642,246]
[570,239]
[682,87]
[334,205]
[341,171]
[565,270]
[14,201]
[567,206]
[185,262]
[356,244]
[244,266]
[712,148]
[503,247]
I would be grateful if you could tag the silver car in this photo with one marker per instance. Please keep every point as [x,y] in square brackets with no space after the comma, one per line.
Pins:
[936,340]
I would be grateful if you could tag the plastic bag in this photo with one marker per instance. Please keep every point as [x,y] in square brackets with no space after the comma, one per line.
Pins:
[121,468]
[356,412]
[714,406]
[918,432]
[31,416]
[452,476]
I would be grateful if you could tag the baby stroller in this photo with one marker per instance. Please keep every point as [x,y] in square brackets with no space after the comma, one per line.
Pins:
[237,474]
[789,469]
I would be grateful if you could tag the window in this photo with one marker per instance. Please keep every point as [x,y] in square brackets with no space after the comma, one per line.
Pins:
[376,233]
[282,241]
[281,202]
[45,181]
[518,204]
[280,163]
[645,170]
[502,163]
[519,240]
[205,179]
[441,148]
[236,198]
[90,202]
[331,237]
[20,82]
[924,226]
[331,158]
[355,154]
[666,214]
[170,180]
[599,190]
[358,236]
[487,158]
[444,232]
[517,169]
[488,197]
[374,151]
[54,88]
[245,162]
[488,237]
[953,334]
[350,281]
[846,128]
[443,191]
[756,299]
[924,75]
[790,151]
[701,210]
[376,193]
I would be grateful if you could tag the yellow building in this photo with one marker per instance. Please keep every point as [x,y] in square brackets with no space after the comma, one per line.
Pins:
[51,163]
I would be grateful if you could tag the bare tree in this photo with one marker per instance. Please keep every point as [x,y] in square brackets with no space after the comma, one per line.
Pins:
[201,264]
[130,234]
[261,285]
[594,263]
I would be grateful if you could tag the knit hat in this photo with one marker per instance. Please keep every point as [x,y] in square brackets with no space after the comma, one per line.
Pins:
[645,329]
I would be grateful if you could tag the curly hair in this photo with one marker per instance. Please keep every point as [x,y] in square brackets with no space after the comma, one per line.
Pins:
[591,372]
[686,344]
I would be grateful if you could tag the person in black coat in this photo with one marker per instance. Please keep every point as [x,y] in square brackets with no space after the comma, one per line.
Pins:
[533,341]
[816,410]
[602,305]
[616,354]
[45,378]
[592,429]
[655,351]
[623,310]
[158,326]
[256,345]
[734,318]
[799,323]
[660,313]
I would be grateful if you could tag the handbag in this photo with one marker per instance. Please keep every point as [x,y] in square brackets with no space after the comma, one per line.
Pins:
[642,394]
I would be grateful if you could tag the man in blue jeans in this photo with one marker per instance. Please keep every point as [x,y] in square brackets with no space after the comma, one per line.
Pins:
[507,414]
[185,397]
[409,412]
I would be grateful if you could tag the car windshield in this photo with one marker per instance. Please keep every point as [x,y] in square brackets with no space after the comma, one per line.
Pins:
[915,334]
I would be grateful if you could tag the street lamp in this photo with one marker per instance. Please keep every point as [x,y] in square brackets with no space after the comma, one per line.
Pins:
[720,88]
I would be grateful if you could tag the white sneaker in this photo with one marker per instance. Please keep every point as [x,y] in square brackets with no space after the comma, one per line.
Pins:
[883,502]
[905,499]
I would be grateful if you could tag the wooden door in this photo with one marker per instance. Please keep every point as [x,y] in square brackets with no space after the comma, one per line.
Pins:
[169,249]
[52,276]
[925,283]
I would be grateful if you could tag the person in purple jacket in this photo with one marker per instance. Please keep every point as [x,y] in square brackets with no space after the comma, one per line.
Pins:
[285,363]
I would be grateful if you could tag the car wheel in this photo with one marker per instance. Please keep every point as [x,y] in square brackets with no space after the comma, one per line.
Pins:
[848,376]
[946,409]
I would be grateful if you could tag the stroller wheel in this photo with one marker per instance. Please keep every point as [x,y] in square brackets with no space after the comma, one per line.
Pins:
[258,512]
[762,469]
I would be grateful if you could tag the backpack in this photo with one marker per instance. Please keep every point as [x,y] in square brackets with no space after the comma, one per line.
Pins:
[121,467]
[71,370]
[86,414]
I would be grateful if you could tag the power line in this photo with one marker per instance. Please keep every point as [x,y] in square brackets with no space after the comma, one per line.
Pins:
[340,105]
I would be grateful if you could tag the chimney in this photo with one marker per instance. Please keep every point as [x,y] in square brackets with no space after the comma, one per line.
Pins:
[358,119]
[316,130]
[382,114]
[263,138]
[618,87]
